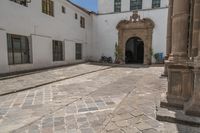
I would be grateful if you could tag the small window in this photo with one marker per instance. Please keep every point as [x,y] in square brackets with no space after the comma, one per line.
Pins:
[63,10]
[76,16]
[58,51]
[82,22]
[155,3]
[117,6]
[78,51]
[21,2]
[48,7]
[135,4]
[18,49]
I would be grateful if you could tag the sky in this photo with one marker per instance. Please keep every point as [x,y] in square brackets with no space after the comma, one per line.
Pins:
[91,5]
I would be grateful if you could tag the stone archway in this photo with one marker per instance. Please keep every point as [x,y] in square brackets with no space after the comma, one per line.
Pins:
[134,51]
[136,27]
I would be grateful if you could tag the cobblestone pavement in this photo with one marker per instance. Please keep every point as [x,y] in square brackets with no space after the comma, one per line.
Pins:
[44,77]
[115,100]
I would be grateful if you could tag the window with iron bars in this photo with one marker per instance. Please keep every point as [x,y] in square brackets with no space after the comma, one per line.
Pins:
[78,51]
[18,49]
[155,3]
[21,2]
[117,6]
[58,53]
[135,4]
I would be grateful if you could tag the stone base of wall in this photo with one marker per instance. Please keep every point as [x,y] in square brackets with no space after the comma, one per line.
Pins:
[192,107]
[171,101]
[176,116]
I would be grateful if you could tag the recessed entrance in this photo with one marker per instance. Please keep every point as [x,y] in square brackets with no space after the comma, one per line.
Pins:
[135,39]
[134,51]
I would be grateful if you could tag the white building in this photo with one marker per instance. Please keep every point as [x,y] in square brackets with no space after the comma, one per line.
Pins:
[47,33]
[111,12]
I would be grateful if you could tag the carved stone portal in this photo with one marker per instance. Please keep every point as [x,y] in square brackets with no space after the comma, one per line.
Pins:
[136,27]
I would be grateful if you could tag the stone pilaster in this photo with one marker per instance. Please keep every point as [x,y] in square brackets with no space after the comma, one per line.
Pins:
[169,36]
[195,28]
[180,28]
[179,75]
[193,106]
[169,29]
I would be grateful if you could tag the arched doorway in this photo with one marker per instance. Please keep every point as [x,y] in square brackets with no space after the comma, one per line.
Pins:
[136,27]
[134,53]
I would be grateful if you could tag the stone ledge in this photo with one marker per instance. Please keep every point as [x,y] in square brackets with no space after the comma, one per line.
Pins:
[171,102]
[177,116]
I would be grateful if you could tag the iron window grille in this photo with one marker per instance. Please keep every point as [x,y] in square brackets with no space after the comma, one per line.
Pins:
[82,22]
[117,6]
[58,53]
[135,4]
[155,3]
[63,10]
[21,2]
[78,51]
[18,49]
[76,16]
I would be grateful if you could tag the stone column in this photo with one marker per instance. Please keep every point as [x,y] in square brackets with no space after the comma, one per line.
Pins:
[169,36]
[196,26]
[193,106]
[180,28]
[179,74]
[120,44]
[169,28]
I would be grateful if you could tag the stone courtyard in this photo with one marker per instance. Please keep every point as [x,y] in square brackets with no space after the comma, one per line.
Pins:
[86,98]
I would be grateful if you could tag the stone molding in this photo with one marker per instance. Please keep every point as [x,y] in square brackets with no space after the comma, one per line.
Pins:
[136,27]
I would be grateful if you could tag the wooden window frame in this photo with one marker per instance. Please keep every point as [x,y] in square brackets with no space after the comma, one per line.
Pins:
[48,7]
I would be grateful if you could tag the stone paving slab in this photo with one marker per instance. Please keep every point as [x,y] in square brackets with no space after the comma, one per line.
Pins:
[137,112]
[116,100]
[39,102]
[46,77]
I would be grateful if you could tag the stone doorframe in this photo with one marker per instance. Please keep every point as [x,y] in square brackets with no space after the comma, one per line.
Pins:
[136,27]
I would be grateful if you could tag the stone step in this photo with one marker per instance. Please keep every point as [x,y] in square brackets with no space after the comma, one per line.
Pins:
[177,116]
[171,102]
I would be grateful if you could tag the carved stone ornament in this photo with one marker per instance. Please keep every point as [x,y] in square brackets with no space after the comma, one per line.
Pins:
[136,27]
[136,21]
[135,17]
